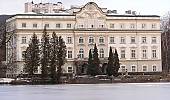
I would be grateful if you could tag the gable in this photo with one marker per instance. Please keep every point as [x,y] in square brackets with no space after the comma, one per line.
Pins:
[91,16]
[90,10]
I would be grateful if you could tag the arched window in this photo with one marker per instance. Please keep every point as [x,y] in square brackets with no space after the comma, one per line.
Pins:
[81,40]
[91,40]
[133,68]
[144,68]
[154,69]
[101,53]
[101,40]
[81,53]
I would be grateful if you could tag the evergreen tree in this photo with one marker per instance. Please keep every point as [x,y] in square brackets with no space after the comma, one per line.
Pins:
[32,56]
[90,68]
[53,57]
[96,62]
[110,65]
[45,54]
[61,55]
[27,60]
[116,63]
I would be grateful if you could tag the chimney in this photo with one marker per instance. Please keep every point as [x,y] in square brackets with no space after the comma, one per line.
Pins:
[128,12]
[114,11]
[133,12]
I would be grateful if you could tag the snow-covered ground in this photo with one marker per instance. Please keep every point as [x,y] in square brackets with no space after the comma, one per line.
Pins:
[6,80]
[122,91]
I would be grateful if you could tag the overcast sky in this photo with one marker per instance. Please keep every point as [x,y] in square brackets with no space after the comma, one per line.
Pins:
[151,7]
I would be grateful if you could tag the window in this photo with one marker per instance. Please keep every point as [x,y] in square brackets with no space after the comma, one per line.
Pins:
[24,40]
[101,40]
[153,39]
[101,52]
[81,40]
[47,25]
[92,51]
[46,11]
[144,68]
[143,39]
[92,26]
[68,25]
[123,68]
[112,25]
[34,25]
[122,26]
[69,40]
[58,25]
[133,68]
[112,40]
[70,69]
[143,26]
[23,54]
[122,54]
[154,68]
[24,25]
[36,70]
[144,54]
[132,26]
[91,40]
[122,40]
[81,26]
[69,54]
[81,53]
[153,53]
[153,26]
[133,53]
[101,26]
[132,39]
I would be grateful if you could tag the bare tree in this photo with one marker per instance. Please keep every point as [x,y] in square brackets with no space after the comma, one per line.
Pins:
[2,50]
[11,55]
[165,22]
[5,39]
[165,42]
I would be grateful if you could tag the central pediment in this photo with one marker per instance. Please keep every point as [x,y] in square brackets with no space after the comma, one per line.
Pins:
[91,17]
[90,10]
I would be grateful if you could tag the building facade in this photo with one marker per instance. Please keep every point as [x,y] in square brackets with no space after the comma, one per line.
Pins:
[43,7]
[137,38]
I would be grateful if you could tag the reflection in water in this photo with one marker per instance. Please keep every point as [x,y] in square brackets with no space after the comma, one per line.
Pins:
[131,91]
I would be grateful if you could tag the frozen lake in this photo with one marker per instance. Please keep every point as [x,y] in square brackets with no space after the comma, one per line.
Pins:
[133,91]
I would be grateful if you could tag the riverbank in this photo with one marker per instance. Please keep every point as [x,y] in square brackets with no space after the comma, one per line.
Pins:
[119,79]
[99,79]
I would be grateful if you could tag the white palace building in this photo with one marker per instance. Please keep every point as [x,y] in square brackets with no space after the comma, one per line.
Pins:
[137,38]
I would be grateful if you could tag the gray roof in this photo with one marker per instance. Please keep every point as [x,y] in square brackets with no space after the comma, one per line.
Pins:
[115,15]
